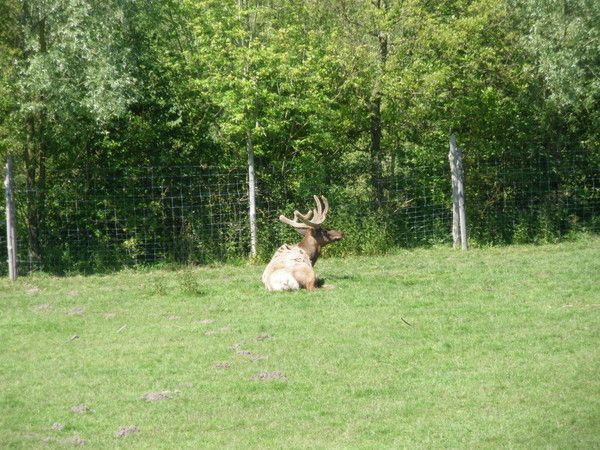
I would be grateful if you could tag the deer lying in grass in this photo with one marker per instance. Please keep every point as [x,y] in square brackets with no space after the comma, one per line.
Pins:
[292,265]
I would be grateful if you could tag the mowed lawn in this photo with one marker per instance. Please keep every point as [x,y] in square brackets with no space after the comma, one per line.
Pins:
[498,347]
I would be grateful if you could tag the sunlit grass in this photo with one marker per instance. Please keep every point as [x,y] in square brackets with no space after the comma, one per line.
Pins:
[497,347]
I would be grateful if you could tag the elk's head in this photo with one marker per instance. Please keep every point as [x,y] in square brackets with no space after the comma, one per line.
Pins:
[311,223]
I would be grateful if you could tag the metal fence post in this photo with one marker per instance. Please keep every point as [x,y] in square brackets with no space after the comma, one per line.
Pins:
[459,218]
[11,237]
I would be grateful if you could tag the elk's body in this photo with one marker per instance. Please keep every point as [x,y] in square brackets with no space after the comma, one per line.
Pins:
[289,269]
[292,265]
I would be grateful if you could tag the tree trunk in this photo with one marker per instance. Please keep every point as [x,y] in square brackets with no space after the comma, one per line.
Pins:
[459,217]
[375,119]
[375,128]
[35,164]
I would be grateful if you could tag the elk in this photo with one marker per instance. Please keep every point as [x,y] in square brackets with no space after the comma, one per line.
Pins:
[291,267]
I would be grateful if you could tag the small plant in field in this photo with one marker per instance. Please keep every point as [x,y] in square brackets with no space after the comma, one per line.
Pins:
[190,284]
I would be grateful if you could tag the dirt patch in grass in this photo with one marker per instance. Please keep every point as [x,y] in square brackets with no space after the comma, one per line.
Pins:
[75,440]
[32,290]
[76,311]
[206,321]
[57,426]
[239,351]
[157,396]
[80,409]
[110,315]
[222,330]
[249,355]
[263,337]
[269,376]
[43,307]
[222,365]
[126,431]
[173,318]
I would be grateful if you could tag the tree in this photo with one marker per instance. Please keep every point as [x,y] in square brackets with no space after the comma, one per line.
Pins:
[563,41]
[71,73]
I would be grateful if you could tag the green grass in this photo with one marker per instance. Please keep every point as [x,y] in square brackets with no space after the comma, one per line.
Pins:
[498,347]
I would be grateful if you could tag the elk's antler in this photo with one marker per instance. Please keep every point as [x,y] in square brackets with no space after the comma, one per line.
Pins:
[312,219]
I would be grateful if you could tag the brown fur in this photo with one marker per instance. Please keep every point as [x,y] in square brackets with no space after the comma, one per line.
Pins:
[314,240]
[305,277]
[312,243]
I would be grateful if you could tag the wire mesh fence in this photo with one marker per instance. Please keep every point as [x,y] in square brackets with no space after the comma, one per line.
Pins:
[531,203]
[94,222]
[135,216]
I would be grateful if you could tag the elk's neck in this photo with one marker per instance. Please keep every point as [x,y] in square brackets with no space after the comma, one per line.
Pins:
[310,245]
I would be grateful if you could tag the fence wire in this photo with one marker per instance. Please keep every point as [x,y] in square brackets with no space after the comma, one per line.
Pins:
[538,203]
[191,214]
[138,216]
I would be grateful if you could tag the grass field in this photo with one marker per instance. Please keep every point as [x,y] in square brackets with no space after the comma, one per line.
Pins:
[499,347]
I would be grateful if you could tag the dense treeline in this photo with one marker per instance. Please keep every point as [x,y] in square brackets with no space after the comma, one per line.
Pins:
[348,94]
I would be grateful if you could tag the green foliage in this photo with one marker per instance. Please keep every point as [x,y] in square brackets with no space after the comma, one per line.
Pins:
[565,42]
[368,234]
[91,92]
